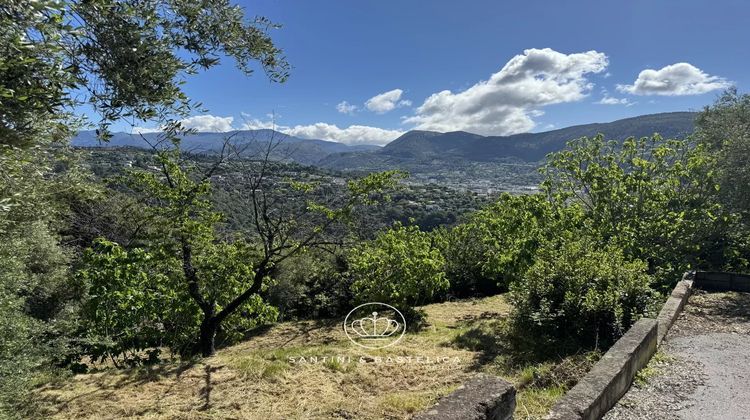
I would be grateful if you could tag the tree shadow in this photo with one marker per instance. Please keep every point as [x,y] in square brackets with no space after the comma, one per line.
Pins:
[497,342]
[205,392]
[299,332]
[108,389]
[486,337]
[723,307]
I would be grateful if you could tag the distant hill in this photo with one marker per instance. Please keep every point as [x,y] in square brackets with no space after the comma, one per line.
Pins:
[419,151]
[417,147]
[303,151]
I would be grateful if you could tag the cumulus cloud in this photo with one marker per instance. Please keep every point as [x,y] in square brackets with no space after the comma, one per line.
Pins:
[202,123]
[506,102]
[145,130]
[354,134]
[674,80]
[208,123]
[609,100]
[345,107]
[387,101]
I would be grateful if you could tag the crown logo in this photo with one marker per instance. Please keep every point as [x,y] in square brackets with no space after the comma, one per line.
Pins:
[377,330]
[374,327]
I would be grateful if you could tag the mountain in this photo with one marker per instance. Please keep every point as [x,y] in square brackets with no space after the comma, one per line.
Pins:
[303,151]
[418,151]
[420,147]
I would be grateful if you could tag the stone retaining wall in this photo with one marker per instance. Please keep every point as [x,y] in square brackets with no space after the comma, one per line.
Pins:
[610,377]
[482,398]
[673,306]
[492,398]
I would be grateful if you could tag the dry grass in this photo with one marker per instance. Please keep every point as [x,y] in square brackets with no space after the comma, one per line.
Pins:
[264,378]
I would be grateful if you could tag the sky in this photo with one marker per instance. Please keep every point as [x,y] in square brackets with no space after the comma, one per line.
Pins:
[365,72]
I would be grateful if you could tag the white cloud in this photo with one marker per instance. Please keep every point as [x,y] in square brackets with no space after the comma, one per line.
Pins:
[506,103]
[608,100]
[345,107]
[256,124]
[201,123]
[208,123]
[674,80]
[145,130]
[354,134]
[387,101]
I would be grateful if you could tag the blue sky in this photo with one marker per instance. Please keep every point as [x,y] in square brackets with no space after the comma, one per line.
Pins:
[439,64]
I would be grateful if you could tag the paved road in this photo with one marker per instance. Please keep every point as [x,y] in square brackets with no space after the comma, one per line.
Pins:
[702,370]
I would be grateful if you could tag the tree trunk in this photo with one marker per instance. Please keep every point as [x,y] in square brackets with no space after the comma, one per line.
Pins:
[209,326]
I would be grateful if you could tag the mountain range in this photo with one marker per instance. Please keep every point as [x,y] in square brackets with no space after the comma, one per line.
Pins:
[420,147]
[303,151]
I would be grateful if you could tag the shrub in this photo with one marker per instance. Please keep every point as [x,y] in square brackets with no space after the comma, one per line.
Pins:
[581,293]
[401,267]
[496,246]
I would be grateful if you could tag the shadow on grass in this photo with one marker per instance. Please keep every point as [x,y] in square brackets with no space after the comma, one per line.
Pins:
[532,362]
[207,387]
[497,342]
[302,331]
[486,337]
[108,389]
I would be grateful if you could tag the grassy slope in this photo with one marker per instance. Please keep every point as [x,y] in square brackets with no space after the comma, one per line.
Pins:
[255,379]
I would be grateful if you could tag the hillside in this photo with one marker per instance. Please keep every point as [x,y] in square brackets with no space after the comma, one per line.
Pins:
[416,147]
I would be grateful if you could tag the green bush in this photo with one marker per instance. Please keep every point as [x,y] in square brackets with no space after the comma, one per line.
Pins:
[496,246]
[401,267]
[581,293]
[652,197]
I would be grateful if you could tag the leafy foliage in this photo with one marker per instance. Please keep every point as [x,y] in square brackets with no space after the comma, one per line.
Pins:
[37,301]
[497,244]
[652,197]
[402,267]
[124,58]
[312,285]
[580,292]
[136,305]
[724,128]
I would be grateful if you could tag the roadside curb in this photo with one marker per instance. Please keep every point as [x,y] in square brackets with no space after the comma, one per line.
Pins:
[673,306]
[611,377]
